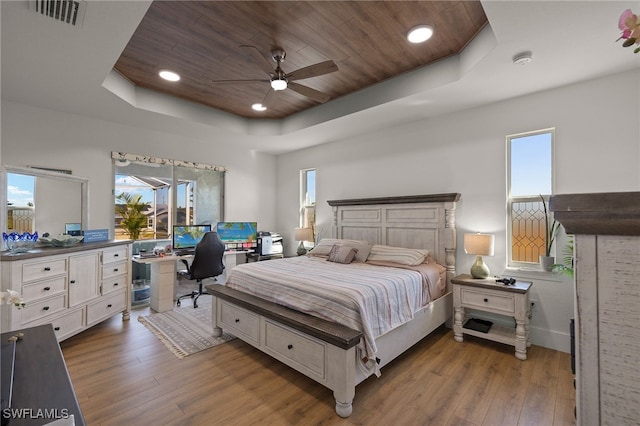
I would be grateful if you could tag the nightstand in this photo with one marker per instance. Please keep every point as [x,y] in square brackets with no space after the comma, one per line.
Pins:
[489,296]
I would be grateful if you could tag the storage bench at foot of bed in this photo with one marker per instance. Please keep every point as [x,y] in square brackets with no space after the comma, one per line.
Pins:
[321,350]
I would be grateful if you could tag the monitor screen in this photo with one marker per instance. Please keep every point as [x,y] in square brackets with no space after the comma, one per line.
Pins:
[238,234]
[188,236]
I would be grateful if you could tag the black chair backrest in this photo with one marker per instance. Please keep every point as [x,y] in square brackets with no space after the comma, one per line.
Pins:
[207,261]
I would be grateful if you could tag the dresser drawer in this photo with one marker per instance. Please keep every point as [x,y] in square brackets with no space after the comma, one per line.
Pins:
[240,322]
[67,324]
[38,270]
[37,310]
[105,307]
[496,301]
[114,284]
[114,269]
[45,288]
[116,254]
[300,352]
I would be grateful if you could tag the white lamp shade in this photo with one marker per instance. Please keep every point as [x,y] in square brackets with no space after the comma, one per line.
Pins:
[304,234]
[479,244]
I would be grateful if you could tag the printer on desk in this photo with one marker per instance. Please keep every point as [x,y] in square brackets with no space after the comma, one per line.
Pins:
[269,243]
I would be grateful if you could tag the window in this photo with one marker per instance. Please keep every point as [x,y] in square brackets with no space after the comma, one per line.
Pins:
[529,175]
[308,199]
[162,193]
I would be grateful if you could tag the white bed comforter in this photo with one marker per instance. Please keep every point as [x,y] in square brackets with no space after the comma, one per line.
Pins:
[371,299]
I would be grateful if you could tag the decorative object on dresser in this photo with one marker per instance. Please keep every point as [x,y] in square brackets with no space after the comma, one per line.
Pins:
[606,229]
[302,235]
[73,287]
[480,245]
[418,230]
[505,297]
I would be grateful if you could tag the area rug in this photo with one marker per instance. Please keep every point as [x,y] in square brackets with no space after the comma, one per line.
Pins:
[185,330]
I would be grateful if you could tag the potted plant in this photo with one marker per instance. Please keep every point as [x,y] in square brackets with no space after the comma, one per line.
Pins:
[550,231]
[132,213]
[566,267]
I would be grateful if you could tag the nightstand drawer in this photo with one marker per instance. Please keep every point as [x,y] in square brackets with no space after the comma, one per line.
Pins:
[488,300]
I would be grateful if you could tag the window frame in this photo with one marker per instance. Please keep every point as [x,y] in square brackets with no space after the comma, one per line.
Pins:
[304,207]
[529,198]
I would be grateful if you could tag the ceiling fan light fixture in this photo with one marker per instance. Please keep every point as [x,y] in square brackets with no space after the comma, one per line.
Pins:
[420,34]
[169,75]
[278,84]
[258,107]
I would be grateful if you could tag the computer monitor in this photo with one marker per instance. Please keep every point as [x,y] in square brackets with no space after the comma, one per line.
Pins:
[238,235]
[188,236]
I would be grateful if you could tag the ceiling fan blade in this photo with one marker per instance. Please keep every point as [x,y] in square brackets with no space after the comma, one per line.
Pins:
[316,70]
[309,92]
[241,81]
[264,63]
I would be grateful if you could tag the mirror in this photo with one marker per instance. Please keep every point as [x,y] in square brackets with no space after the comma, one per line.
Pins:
[58,199]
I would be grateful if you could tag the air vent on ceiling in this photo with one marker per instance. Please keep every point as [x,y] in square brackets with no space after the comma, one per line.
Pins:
[67,11]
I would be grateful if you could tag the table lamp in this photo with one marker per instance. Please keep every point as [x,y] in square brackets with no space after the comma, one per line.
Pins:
[303,234]
[480,245]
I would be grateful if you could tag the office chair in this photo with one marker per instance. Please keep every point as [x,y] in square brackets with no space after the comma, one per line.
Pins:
[207,263]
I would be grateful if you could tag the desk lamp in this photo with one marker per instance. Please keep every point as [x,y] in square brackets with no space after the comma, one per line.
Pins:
[303,234]
[480,245]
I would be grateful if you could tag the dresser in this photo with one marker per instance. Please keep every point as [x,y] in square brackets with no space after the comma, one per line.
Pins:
[72,288]
[606,228]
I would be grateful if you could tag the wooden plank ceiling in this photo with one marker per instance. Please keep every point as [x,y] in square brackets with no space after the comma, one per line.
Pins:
[200,40]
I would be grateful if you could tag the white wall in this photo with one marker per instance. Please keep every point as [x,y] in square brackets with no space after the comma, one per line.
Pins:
[41,137]
[597,149]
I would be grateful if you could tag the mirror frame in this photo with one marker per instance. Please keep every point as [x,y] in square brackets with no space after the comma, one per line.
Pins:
[30,171]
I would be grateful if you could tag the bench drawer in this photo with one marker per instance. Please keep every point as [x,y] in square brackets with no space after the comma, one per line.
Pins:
[238,321]
[305,354]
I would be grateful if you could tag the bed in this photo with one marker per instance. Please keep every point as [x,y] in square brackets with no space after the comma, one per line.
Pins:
[339,353]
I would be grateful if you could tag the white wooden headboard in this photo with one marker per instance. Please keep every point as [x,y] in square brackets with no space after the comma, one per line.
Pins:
[414,221]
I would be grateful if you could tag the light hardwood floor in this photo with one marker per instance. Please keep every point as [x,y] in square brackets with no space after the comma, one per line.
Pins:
[123,375]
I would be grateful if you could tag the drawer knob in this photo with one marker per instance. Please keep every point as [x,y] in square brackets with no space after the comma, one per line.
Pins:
[486,300]
[109,305]
[47,288]
[237,320]
[116,255]
[47,268]
[115,284]
[45,308]
[289,346]
[115,269]
[56,328]
[72,282]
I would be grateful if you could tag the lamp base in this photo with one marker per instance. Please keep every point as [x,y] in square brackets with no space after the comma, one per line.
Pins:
[479,269]
[301,250]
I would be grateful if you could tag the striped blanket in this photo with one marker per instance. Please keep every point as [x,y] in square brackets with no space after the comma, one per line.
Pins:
[371,299]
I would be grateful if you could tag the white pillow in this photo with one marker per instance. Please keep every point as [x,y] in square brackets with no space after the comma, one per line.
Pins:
[401,255]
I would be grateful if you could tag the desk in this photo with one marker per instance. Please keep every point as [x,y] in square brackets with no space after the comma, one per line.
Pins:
[164,275]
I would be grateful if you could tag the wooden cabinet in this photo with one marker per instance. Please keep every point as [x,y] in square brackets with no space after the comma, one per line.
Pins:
[72,288]
[606,228]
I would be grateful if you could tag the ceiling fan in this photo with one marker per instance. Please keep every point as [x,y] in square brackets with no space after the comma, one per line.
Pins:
[279,80]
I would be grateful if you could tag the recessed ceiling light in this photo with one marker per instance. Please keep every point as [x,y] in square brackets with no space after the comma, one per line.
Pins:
[420,34]
[169,75]
[258,107]
[522,58]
